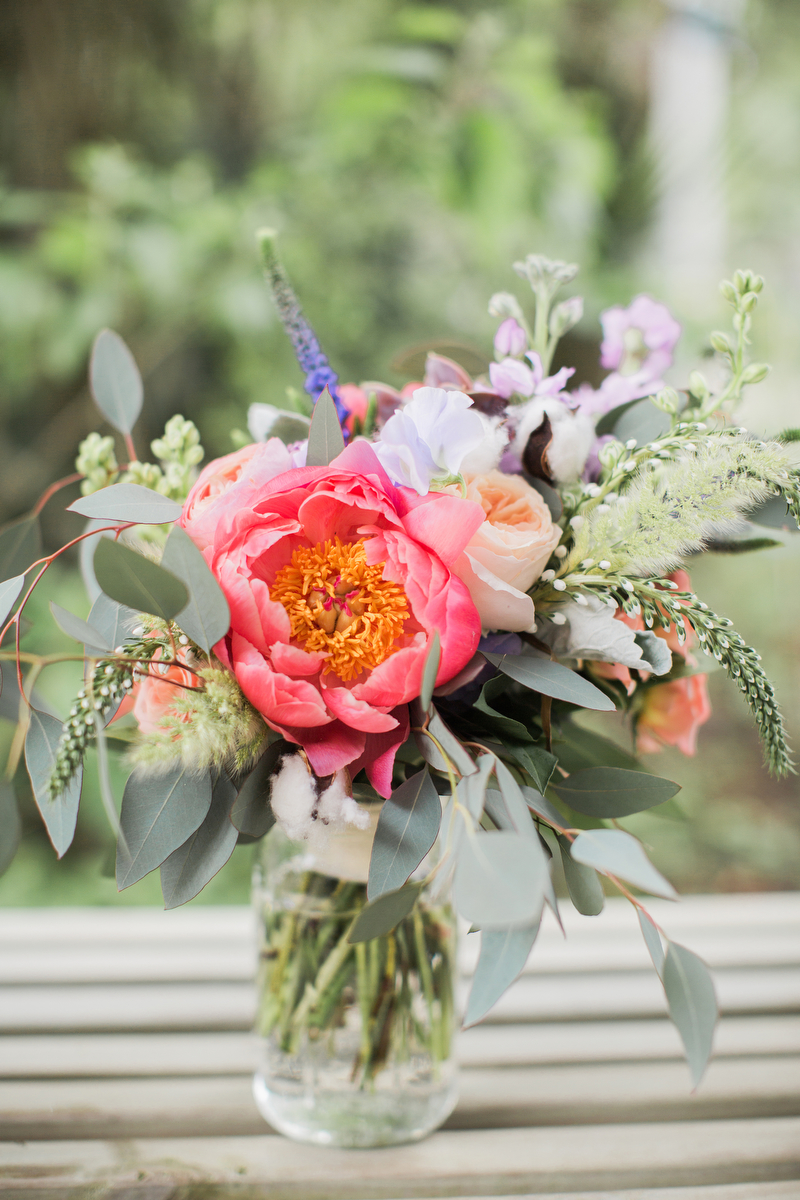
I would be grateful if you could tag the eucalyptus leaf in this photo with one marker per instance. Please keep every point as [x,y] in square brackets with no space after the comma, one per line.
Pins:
[189,868]
[430,671]
[549,678]
[112,621]
[325,437]
[504,953]
[59,814]
[507,727]
[652,939]
[543,808]
[79,629]
[407,827]
[382,915]
[128,502]
[10,591]
[10,825]
[539,763]
[206,618]
[514,801]
[159,812]
[500,879]
[251,813]
[135,581]
[578,748]
[692,1004]
[115,381]
[20,546]
[471,789]
[611,792]
[86,551]
[583,884]
[613,852]
[447,740]
[642,421]
[609,420]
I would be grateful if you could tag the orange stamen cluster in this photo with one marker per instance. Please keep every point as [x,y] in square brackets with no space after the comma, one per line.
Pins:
[340,605]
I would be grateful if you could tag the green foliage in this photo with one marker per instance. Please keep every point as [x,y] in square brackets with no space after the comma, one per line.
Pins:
[325,438]
[407,828]
[159,813]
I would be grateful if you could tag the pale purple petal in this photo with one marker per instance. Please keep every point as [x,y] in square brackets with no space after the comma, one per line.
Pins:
[510,339]
[510,376]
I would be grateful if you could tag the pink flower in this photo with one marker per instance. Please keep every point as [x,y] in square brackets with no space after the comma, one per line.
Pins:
[154,695]
[337,581]
[510,339]
[672,714]
[640,337]
[228,483]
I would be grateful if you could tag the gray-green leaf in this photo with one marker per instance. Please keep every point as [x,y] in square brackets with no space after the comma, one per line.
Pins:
[549,678]
[542,807]
[613,792]
[585,889]
[430,672]
[10,825]
[381,916]
[692,1005]
[500,879]
[79,629]
[20,545]
[128,502]
[135,581]
[159,812]
[10,590]
[112,621]
[407,827]
[447,740]
[207,617]
[115,381]
[539,763]
[251,812]
[506,726]
[189,868]
[471,789]
[656,654]
[59,814]
[504,953]
[325,437]
[613,852]
[652,939]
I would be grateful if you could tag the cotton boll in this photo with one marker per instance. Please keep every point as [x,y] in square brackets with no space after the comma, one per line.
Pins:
[486,456]
[573,436]
[305,816]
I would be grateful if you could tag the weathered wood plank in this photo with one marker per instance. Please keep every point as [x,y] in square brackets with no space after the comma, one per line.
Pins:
[467,1163]
[118,1055]
[580,1094]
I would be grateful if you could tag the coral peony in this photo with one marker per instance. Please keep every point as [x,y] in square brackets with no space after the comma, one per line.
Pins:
[230,482]
[672,714]
[509,551]
[337,581]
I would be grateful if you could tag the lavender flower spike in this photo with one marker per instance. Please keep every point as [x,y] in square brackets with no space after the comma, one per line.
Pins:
[319,373]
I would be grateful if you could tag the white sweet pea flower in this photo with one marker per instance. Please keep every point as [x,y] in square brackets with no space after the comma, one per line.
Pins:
[429,438]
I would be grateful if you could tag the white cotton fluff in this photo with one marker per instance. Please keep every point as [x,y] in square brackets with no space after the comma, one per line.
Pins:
[486,456]
[305,816]
[573,435]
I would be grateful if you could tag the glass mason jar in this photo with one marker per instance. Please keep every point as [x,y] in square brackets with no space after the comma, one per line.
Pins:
[357,1041]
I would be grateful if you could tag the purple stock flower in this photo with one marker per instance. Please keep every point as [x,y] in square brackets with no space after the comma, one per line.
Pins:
[511,376]
[639,338]
[510,341]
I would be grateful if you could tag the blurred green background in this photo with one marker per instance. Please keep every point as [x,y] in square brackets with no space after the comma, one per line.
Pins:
[408,153]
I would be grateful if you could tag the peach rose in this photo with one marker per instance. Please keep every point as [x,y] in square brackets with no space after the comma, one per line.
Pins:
[154,694]
[509,551]
[672,714]
[234,477]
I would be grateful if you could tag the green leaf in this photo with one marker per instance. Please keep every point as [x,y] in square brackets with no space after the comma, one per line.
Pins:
[112,621]
[539,763]
[642,421]
[543,808]
[325,437]
[551,497]
[652,939]
[611,792]
[115,381]
[471,789]
[10,825]
[549,678]
[742,546]
[608,420]
[20,545]
[446,739]
[613,852]
[135,581]
[692,1005]
[507,726]
[159,812]
[80,630]
[430,671]
[382,915]
[407,827]
[41,747]
[504,953]
[10,591]
[585,889]
[128,502]
[500,879]
[656,654]
[514,801]
[206,618]
[189,868]
[581,748]
[251,813]
[775,514]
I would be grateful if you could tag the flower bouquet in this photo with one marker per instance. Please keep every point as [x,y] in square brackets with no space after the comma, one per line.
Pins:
[374,626]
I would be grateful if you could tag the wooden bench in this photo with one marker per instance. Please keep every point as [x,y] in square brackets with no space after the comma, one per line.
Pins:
[125,1063]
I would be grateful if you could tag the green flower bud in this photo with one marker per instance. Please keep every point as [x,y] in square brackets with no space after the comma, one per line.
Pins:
[741,281]
[503,304]
[728,291]
[720,342]
[749,301]
[667,400]
[145,474]
[610,453]
[98,462]
[565,315]
[698,386]
[756,372]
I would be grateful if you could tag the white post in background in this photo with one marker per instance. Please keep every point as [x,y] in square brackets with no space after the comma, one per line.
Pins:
[689,97]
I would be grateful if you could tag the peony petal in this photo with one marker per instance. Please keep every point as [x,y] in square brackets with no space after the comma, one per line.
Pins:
[331,748]
[379,753]
[398,679]
[291,660]
[358,714]
[280,700]
[445,524]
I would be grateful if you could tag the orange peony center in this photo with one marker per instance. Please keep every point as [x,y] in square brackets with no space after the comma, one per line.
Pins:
[340,605]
